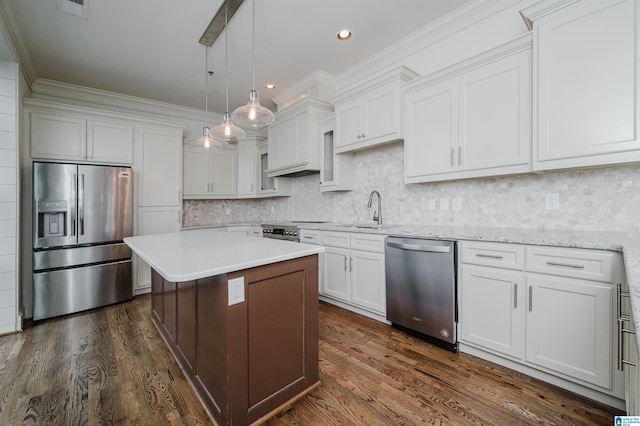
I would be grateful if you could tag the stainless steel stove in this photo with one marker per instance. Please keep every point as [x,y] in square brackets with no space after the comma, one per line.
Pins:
[281,232]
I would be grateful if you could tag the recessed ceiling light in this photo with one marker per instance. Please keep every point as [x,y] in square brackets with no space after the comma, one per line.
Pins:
[269,86]
[344,35]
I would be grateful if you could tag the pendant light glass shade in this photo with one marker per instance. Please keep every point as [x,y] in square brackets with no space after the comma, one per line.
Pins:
[253,115]
[227,131]
[207,140]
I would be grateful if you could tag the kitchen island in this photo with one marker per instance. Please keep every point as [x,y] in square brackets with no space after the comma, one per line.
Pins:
[240,315]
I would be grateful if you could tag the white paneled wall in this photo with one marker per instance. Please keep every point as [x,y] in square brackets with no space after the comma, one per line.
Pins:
[8,197]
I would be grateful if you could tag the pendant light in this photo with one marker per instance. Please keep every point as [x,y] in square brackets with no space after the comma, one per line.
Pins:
[253,115]
[227,131]
[207,140]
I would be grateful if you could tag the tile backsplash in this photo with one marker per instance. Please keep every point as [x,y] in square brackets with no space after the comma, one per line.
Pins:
[606,199]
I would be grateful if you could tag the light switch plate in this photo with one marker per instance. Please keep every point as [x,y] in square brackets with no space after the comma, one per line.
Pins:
[456,203]
[236,290]
[444,204]
[432,204]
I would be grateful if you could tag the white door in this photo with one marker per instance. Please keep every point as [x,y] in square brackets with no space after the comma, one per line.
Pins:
[348,125]
[495,114]
[491,309]
[160,177]
[368,281]
[568,327]
[336,273]
[224,173]
[196,172]
[431,130]
[379,117]
[109,142]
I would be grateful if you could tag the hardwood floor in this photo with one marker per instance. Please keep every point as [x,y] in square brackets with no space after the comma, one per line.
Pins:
[110,366]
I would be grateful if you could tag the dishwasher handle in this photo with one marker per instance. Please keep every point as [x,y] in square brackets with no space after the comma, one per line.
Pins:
[419,247]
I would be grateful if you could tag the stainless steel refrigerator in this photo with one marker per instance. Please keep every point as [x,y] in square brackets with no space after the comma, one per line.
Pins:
[81,213]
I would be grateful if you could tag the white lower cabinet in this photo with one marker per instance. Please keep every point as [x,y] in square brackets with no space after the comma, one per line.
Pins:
[500,327]
[353,270]
[551,310]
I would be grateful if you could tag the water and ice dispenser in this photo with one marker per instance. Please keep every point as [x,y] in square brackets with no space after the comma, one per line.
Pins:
[52,219]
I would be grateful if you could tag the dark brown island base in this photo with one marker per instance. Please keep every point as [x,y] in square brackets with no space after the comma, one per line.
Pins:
[248,354]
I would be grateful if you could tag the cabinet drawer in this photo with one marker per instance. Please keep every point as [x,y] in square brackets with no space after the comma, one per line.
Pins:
[309,236]
[335,239]
[508,256]
[586,264]
[368,242]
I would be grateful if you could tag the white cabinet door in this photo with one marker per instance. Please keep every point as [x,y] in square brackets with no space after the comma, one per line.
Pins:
[380,118]
[336,273]
[368,281]
[431,130]
[586,59]
[247,156]
[569,327]
[495,114]
[160,162]
[286,151]
[224,173]
[154,220]
[336,170]
[492,309]
[348,124]
[109,142]
[195,176]
[58,136]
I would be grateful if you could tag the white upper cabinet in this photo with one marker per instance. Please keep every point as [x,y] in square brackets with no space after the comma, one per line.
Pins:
[210,173]
[336,171]
[247,157]
[370,114]
[586,86]
[71,136]
[293,138]
[472,119]
[158,166]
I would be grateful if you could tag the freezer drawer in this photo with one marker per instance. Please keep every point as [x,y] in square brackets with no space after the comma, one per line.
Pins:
[76,256]
[73,290]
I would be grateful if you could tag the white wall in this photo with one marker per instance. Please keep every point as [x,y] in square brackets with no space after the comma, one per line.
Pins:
[9,321]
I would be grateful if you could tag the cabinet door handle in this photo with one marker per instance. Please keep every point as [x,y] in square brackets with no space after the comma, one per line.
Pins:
[490,256]
[345,263]
[530,298]
[566,265]
[459,155]
[453,153]
[351,263]
[515,295]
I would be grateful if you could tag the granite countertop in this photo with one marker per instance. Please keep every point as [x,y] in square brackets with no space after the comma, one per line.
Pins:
[626,243]
[194,254]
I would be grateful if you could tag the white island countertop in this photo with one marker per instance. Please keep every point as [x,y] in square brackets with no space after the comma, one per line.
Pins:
[199,253]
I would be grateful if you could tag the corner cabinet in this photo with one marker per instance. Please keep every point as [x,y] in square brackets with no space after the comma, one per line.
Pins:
[336,170]
[79,136]
[210,173]
[547,308]
[371,113]
[293,142]
[472,119]
[586,57]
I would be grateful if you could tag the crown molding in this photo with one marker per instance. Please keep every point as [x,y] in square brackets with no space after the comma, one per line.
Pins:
[459,19]
[401,74]
[55,90]
[542,8]
[319,84]
[16,45]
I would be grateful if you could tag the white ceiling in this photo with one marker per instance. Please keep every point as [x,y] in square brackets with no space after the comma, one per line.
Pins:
[150,49]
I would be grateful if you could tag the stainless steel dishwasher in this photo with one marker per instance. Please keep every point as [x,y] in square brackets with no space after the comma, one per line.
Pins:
[421,288]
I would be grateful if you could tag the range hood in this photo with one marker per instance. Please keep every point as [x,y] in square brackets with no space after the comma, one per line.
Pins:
[294,139]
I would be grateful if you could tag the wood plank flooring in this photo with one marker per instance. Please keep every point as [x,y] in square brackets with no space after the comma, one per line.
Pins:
[110,366]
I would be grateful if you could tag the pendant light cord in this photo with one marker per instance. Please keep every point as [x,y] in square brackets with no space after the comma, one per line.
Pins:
[226,56]
[206,85]
[253,45]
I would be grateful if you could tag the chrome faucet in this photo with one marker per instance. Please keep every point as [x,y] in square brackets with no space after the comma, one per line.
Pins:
[377,215]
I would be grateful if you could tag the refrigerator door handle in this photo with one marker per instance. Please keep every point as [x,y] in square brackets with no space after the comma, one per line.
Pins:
[81,206]
[71,212]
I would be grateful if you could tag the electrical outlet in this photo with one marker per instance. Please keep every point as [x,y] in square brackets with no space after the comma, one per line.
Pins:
[552,201]
[432,204]
[444,204]
[456,203]
[227,211]
[236,290]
